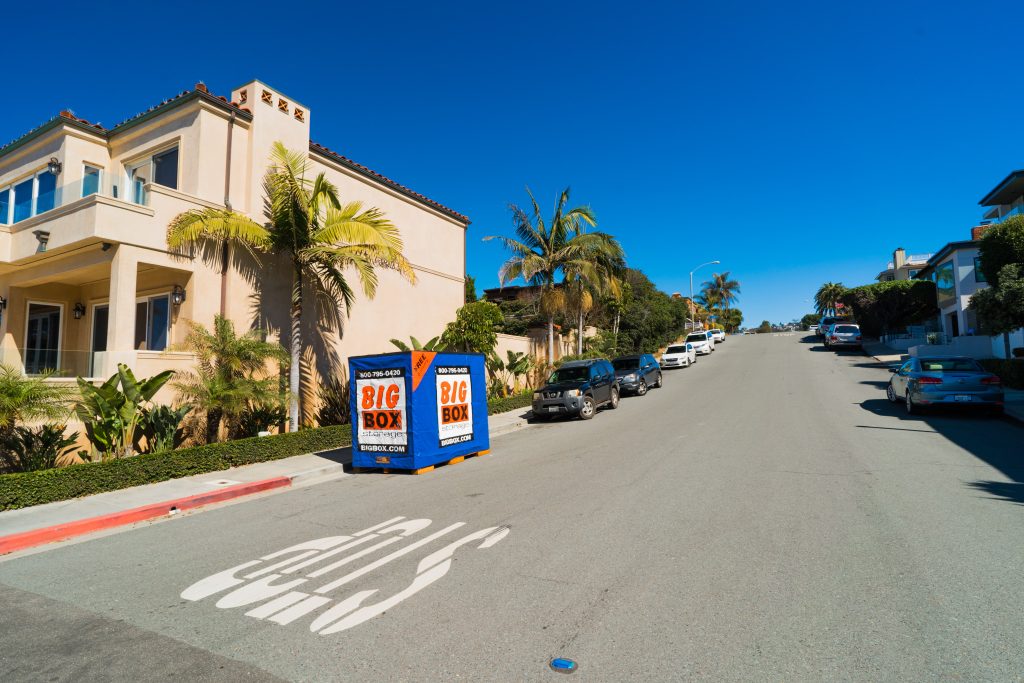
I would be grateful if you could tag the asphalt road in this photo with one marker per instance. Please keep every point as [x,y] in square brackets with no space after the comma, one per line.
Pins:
[767,515]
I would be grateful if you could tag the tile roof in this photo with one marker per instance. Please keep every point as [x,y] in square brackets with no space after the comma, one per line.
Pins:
[67,116]
[345,161]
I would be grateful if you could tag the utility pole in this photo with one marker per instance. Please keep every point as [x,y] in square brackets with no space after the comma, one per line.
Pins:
[693,321]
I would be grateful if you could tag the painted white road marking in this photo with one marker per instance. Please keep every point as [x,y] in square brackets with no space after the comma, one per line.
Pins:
[282,604]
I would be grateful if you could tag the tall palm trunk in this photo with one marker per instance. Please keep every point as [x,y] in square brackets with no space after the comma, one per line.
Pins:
[551,340]
[296,349]
[579,335]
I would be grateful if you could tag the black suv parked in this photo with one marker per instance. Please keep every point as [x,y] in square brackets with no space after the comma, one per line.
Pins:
[577,388]
[637,373]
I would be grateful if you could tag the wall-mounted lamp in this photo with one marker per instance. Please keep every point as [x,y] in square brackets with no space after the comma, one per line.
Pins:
[43,236]
[78,311]
[54,167]
[177,295]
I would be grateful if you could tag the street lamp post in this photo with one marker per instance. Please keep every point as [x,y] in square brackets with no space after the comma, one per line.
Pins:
[693,312]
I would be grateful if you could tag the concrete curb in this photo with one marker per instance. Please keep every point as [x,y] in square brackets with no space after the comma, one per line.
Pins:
[80,527]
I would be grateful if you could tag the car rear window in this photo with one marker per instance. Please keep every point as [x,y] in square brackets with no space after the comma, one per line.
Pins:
[626,363]
[847,329]
[676,349]
[950,365]
[696,338]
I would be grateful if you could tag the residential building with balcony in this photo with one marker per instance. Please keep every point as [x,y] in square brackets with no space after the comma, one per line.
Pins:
[955,271]
[903,266]
[1005,199]
[86,277]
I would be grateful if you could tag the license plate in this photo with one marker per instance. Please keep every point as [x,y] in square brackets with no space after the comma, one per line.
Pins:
[962,397]
[552,409]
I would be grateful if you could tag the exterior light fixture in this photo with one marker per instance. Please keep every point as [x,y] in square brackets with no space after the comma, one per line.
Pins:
[177,295]
[79,310]
[54,167]
[43,236]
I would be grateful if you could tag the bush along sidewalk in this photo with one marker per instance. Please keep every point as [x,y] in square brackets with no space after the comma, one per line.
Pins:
[1010,371]
[501,405]
[35,488]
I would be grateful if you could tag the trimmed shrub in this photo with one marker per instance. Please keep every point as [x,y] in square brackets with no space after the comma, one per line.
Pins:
[1010,371]
[35,488]
[502,405]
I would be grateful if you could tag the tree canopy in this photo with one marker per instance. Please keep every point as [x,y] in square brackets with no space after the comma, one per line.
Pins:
[888,306]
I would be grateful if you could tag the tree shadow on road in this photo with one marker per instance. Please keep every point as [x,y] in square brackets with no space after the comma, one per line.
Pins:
[995,441]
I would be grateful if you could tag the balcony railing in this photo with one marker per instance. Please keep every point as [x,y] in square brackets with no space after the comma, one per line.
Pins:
[1015,211]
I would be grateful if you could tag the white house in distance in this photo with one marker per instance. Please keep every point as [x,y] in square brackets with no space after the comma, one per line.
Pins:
[87,280]
[903,266]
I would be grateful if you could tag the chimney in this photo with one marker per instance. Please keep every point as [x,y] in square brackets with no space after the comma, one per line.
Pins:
[979,230]
[899,258]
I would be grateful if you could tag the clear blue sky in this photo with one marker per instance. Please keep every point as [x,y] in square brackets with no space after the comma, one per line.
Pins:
[797,142]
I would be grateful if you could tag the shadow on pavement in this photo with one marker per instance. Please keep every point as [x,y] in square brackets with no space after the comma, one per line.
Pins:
[995,441]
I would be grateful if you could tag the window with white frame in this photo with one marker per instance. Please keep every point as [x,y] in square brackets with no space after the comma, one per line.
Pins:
[152,323]
[160,168]
[91,177]
[28,197]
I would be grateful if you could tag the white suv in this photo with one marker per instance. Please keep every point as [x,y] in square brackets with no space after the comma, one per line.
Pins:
[701,344]
[719,335]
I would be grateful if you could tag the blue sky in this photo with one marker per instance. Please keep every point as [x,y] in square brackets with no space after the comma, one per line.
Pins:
[797,142]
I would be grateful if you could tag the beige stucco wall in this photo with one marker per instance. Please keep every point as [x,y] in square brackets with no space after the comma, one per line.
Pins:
[76,266]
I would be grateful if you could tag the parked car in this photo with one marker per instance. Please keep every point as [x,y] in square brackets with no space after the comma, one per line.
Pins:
[679,356]
[823,325]
[719,335]
[843,335]
[577,388]
[637,373]
[711,339]
[701,344]
[945,381]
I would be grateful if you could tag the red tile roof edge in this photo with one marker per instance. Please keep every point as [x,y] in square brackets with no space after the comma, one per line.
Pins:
[317,147]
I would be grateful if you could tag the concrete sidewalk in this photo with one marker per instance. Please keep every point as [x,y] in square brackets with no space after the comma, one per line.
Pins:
[29,527]
[882,353]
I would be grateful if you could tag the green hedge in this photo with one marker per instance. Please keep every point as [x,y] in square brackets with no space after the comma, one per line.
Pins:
[501,405]
[1010,371]
[46,486]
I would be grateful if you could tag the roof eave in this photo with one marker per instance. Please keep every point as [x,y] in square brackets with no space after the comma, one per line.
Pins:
[991,198]
[387,182]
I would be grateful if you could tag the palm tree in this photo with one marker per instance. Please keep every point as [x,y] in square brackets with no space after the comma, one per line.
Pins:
[827,296]
[230,374]
[721,290]
[25,399]
[321,238]
[542,250]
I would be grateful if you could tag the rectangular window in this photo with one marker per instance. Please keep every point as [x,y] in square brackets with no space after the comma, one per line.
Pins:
[165,168]
[978,275]
[138,176]
[5,205]
[42,338]
[23,200]
[90,181]
[152,323]
[46,192]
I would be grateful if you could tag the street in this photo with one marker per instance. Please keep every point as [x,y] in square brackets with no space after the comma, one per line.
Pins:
[767,515]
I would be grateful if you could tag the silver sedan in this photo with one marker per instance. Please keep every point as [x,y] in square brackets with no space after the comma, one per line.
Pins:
[945,381]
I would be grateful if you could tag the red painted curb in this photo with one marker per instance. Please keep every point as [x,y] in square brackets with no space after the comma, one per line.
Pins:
[60,532]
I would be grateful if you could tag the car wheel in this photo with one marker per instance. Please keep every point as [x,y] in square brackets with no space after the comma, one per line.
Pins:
[659,383]
[641,388]
[588,408]
[613,402]
[890,393]
[911,408]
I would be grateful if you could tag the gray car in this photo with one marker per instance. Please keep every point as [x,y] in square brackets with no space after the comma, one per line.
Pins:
[637,373]
[843,335]
[945,381]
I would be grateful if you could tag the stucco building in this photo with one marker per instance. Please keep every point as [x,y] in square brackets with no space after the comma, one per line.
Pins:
[87,280]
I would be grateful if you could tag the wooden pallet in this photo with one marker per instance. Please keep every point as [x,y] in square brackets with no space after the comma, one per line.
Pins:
[422,470]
